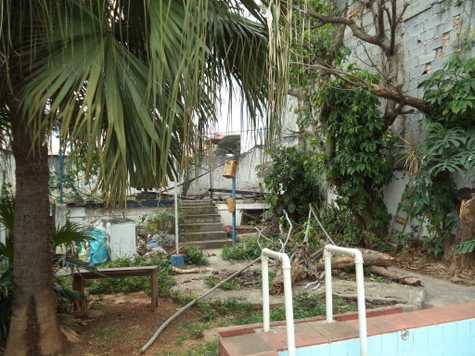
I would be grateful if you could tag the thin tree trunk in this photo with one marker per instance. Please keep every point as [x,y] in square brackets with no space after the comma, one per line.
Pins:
[34,328]
[465,232]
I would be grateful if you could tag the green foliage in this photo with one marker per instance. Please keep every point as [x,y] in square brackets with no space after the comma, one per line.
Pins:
[233,284]
[466,247]
[312,40]
[359,163]
[451,92]
[247,249]
[161,222]
[305,306]
[294,180]
[195,256]
[243,250]
[135,284]
[448,148]
[433,202]
[342,225]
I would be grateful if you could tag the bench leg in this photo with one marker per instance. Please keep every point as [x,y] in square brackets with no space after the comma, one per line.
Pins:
[78,285]
[154,283]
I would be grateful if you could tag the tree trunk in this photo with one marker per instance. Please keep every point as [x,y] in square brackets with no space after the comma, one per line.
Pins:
[34,328]
[465,232]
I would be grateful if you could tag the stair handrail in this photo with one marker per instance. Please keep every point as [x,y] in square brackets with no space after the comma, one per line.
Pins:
[289,309]
[328,251]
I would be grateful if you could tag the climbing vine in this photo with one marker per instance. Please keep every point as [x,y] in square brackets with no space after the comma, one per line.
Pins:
[358,162]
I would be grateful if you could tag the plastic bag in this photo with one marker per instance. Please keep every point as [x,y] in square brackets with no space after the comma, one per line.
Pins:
[98,250]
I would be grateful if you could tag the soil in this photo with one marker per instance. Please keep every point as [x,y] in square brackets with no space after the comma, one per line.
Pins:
[416,261]
[120,325]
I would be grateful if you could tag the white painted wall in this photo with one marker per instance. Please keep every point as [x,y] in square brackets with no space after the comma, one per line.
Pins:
[246,179]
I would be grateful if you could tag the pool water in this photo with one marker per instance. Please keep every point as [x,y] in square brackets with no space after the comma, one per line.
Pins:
[448,339]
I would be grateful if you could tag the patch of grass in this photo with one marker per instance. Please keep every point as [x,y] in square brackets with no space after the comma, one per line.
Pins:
[206,349]
[194,256]
[233,312]
[247,249]
[196,330]
[134,284]
[233,284]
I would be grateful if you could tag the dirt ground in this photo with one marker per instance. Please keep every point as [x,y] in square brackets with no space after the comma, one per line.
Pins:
[414,260]
[120,325]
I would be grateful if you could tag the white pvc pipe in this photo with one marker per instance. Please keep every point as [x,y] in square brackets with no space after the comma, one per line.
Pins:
[177,238]
[358,257]
[289,309]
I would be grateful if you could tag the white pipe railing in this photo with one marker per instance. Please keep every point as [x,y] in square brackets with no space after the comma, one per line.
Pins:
[289,309]
[358,257]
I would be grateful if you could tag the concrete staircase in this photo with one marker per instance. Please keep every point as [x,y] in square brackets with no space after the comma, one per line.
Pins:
[200,225]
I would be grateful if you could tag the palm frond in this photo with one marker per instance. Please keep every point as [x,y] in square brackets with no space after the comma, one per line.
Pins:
[137,82]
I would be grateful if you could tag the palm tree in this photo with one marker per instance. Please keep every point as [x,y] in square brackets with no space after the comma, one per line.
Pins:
[131,82]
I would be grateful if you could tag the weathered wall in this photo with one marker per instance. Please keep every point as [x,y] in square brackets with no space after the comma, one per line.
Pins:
[430,33]
[247,177]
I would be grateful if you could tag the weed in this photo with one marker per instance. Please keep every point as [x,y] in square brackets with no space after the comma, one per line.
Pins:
[135,284]
[161,222]
[233,284]
[195,330]
[194,256]
[245,250]
[207,349]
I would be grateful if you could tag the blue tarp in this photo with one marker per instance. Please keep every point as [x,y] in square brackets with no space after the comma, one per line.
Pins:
[98,251]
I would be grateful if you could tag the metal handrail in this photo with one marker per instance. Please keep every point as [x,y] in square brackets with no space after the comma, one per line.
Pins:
[329,250]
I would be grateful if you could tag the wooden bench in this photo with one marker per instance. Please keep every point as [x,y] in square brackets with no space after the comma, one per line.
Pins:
[80,277]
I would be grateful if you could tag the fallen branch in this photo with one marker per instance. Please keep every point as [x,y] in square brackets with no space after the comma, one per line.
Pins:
[193,302]
[192,270]
[396,276]
[370,258]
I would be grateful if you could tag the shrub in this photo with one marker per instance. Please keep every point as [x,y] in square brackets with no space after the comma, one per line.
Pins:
[135,284]
[294,180]
[194,256]
[161,222]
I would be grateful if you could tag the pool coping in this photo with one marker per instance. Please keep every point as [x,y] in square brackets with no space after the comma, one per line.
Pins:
[237,341]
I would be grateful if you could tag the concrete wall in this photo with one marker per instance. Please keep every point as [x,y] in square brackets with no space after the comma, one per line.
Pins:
[431,32]
[247,177]
[248,162]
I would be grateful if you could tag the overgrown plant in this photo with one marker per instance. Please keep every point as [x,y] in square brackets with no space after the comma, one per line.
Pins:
[358,161]
[294,179]
[448,148]
[135,284]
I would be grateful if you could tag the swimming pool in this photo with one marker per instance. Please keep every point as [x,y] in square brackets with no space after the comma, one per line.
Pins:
[454,338]
[440,331]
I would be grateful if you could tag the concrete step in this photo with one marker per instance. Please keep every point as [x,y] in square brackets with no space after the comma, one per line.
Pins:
[208,244]
[202,235]
[201,218]
[202,210]
[213,226]
[196,202]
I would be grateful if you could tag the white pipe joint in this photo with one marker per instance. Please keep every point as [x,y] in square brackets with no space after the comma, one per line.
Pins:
[289,309]
[358,258]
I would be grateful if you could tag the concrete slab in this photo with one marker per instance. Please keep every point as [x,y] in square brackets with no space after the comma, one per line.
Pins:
[377,293]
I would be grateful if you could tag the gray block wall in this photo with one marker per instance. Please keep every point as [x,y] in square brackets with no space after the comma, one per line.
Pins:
[431,32]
